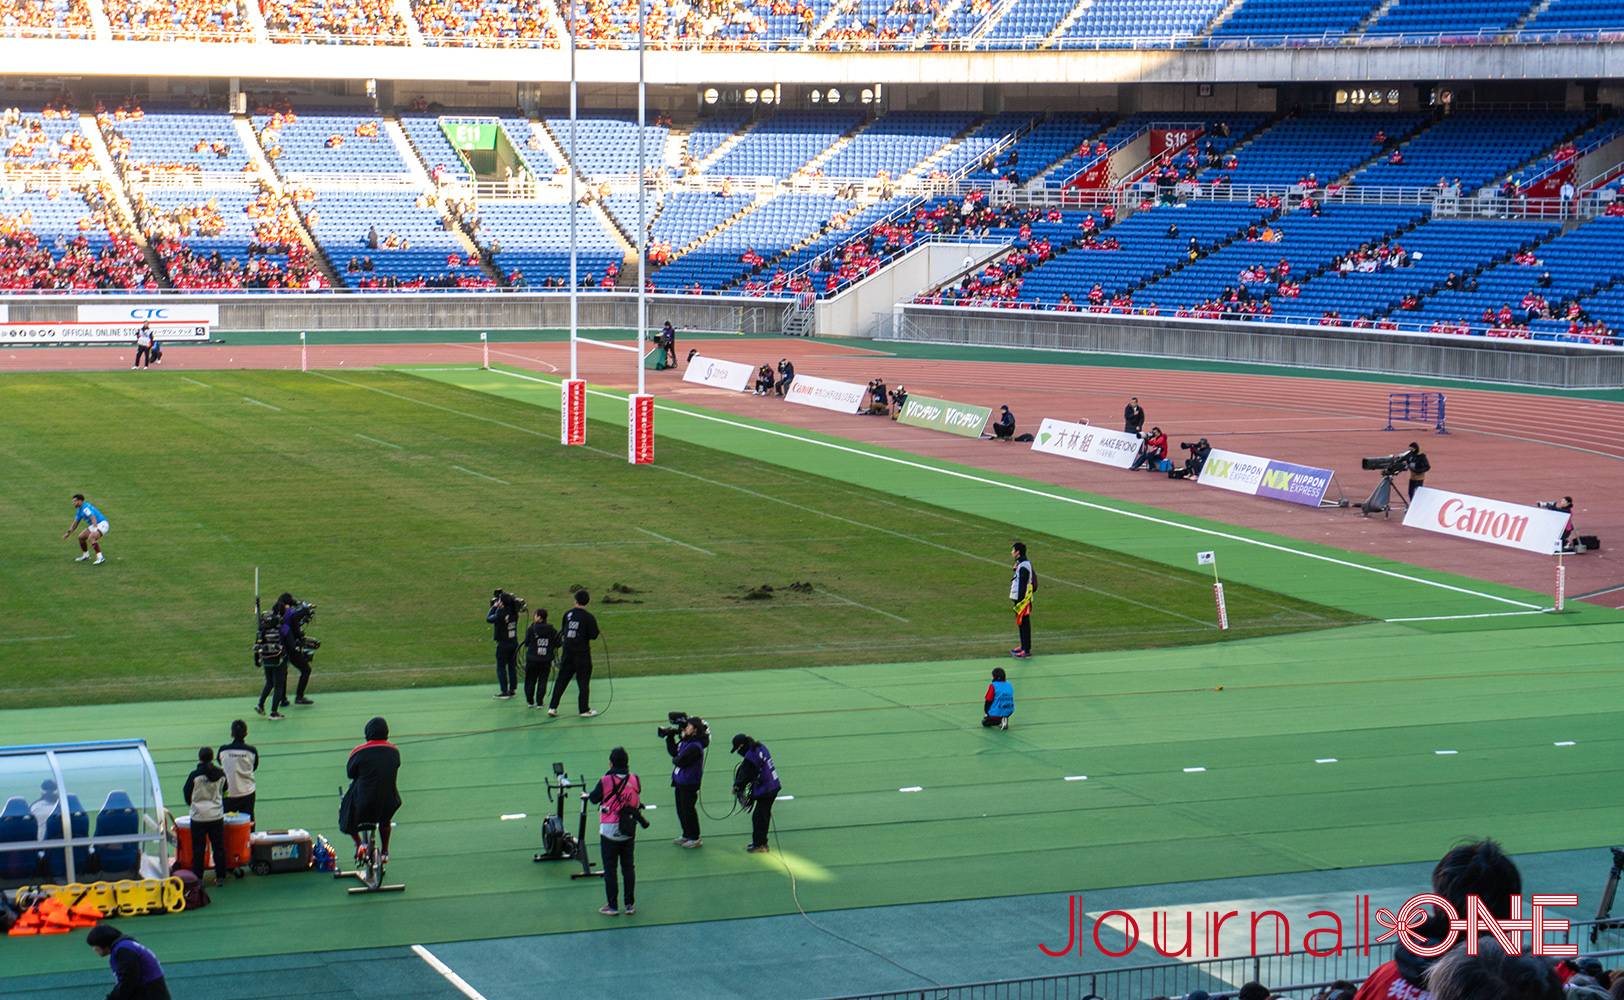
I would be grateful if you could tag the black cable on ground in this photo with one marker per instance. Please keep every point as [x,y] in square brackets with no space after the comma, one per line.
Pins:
[795,895]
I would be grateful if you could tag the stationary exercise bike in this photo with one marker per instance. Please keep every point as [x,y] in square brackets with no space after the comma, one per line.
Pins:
[371,874]
[557,843]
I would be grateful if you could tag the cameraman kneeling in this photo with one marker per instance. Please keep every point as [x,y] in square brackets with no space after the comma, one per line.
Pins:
[1193,465]
[686,745]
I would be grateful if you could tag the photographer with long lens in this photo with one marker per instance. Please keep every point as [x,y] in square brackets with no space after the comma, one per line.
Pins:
[504,619]
[1199,450]
[685,740]
[296,646]
[757,771]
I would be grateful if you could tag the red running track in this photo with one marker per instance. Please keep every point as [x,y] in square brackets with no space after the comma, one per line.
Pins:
[1515,446]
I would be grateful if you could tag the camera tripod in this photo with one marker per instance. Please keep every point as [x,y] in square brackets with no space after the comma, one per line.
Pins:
[557,844]
[1382,497]
[1605,910]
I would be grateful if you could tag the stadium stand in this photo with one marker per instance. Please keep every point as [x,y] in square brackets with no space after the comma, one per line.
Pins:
[766,231]
[896,143]
[354,22]
[607,146]
[434,149]
[486,23]
[532,240]
[1321,146]
[227,238]
[1471,148]
[185,20]
[306,144]
[1050,141]
[968,153]
[1288,18]
[47,18]
[1448,17]
[1126,24]
[710,133]
[783,143]
[172,142]
[62,242]
[43,139]
[417,246]
[686,218]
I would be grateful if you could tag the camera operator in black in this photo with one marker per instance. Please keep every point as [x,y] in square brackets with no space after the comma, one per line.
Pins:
[575,656]
[1193,465]
[687,750]
[1416,461]
[540,646]
[293,636]
[504,619]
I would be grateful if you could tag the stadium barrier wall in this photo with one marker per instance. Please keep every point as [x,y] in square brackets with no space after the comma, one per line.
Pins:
[858,309]
[1521,362]
[457,313]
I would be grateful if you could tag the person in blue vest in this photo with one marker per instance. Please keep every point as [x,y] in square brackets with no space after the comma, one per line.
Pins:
[138,974]
[758,772]
[1000,700]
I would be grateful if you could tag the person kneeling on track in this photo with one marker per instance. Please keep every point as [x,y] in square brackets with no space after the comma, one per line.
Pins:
[373,796]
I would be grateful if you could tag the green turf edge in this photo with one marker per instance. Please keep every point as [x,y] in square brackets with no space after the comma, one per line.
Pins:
[1367,585]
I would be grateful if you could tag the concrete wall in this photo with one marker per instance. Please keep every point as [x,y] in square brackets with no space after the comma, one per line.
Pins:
[467,67]
[855,311]
[1515,362]
[453,313]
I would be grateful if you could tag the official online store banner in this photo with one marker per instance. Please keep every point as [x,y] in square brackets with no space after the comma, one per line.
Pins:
[718,373]
[827,394]
[98,333]
[1532,529]
[1091,444]
[1264,477]
[941,415]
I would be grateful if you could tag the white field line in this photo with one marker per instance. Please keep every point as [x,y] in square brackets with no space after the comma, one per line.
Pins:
[673,541]
[482,475]
[386,444]
[445,970]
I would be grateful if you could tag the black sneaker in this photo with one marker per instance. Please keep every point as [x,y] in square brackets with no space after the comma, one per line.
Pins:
[503,696]
[303,701]
[260,708]
[277,716]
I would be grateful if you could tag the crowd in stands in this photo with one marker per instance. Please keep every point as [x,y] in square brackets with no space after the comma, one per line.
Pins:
[357,22]
[35,17]
[171,20]
[523,24]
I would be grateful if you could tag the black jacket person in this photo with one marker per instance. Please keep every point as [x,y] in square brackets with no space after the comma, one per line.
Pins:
[374,795]
[575,656]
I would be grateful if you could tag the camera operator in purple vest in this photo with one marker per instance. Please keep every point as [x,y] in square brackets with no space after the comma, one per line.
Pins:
[686,741]
[757,771]
[140,977]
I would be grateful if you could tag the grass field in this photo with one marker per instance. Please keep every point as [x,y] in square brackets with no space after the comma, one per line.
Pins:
[398,516]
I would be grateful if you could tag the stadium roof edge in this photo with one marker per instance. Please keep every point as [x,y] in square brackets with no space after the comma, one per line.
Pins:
[50,57]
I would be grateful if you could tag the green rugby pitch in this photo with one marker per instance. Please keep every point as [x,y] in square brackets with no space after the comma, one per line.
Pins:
[398,511]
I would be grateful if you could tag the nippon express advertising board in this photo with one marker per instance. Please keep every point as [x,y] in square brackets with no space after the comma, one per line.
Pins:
[941,415]
[1264,477]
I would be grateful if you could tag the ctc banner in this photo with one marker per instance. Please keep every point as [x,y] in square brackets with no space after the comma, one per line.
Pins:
[98,333]
[718,373]
[941,415]
[826,394]
[1532,529]
[1264,477]
[1091,444]
[151,312]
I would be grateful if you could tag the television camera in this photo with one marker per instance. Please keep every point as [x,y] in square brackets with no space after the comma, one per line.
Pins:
[679,720]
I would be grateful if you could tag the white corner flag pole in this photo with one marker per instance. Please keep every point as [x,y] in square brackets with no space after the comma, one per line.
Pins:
[1211,559]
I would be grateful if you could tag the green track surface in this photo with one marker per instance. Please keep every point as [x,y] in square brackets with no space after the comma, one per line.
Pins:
[1256,715]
